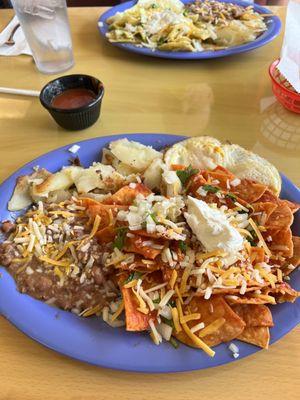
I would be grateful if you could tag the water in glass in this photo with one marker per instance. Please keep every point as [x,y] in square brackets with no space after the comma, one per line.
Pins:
[46,28]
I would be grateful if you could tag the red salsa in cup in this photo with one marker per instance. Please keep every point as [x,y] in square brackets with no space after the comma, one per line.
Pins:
[73,98]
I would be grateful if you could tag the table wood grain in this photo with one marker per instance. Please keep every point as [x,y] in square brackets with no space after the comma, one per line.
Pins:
[227,98]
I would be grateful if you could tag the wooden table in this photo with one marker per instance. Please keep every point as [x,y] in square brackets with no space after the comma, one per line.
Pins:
[227,98]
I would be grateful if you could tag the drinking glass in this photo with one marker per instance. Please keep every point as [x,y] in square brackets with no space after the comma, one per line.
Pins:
[46,28]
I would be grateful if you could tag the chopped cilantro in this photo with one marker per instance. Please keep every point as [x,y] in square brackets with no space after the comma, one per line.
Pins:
[174,343]
[132,276]
[210,188]
[185,174]
[253,241]
[172,303]
[120,238]
[185,13]
[167,321]
[156,301]
[154,5]
[161,41]
[182,246]
[231,196]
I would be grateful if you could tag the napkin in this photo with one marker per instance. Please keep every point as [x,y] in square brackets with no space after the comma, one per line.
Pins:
[289,65]
[20,46]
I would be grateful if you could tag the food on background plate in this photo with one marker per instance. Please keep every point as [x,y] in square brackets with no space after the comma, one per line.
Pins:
[190,243]
[174,26]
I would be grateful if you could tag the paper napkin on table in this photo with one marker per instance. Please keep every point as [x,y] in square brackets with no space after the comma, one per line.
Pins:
[289,65]
[20,46]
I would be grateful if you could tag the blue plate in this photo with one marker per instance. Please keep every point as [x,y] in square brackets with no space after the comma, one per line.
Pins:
[273,29]
[90,339]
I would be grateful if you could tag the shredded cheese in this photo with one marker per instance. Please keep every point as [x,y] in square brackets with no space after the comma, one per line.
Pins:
[184,279]
[143,307]
[259,235]
[130,284]
[197,341]
[176,322]
[189,317]
[215,253]
[213,327]
[173,278]
[178,294]
[265,297]
[166,298]
[118,312]
[54,262]
[91,311]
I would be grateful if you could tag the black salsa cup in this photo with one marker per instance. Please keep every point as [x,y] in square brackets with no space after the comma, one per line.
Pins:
[75,118]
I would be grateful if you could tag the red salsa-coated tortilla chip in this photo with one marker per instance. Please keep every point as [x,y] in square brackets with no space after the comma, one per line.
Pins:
[294,207]
[135,320]
[257,335]
[280,218]
[138,244]
[257,255]
[281,243]
[106,235]
[105,212]
[295,259]
[283,293]
[211,310]
[249,191]
[126,195]
[254,314]
[264,210]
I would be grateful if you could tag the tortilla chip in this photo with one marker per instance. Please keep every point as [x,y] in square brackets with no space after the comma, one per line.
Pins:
[106,235]
[137,245]
[269,196]
[234,299]
[105,212]
[257,335]
[283,292]
[294,207]
[263,207]
[135,320]
[254,314]
[280,218]
[211,310]
[127,194]
[195,182]
[295,260]
[281,243]
[249,191]
[257,255]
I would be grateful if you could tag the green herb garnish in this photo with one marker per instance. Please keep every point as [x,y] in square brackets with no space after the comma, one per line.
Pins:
[174,343]
[210,188]
[185,13]
[231,196]
[185,174]
[120,238]
[161,41]
[254,239]
[132,276]
[182,246]
[167,321]
[154,5]
[172,303]
[156,301]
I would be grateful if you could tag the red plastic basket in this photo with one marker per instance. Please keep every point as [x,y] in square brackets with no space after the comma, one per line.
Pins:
[283,90]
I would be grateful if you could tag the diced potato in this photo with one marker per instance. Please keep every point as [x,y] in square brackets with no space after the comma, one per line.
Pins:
[171,184]
[152,175]
[134,154]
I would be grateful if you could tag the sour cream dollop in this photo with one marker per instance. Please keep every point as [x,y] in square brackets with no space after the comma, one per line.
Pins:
[212,228]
